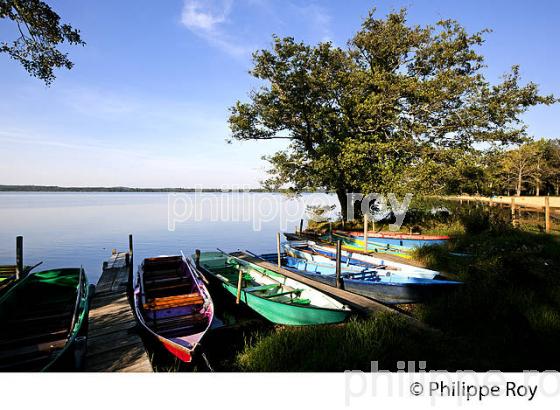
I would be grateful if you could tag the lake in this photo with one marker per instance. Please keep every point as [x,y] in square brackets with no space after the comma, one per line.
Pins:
[67,229]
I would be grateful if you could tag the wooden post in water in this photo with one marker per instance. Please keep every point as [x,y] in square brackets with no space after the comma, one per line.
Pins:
[338,267]
[330,231]
[365,231]
[197,258]
[130,266]
[19,257]
[278,249]
[239,280]
[300,226]
[130,252]
[547,214]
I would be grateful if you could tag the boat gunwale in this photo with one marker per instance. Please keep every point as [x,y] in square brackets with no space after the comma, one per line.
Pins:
[344,307]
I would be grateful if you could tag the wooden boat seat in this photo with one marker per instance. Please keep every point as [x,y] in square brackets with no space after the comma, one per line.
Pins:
[301,301]
[367,273]
[39,348]
[174,301]
[296,292]
[166,279]
[161,272]
[167,287]
[262,287]
[43,337]
[178,321]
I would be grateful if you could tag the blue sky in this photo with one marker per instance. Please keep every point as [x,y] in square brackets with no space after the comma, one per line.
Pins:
[147,102]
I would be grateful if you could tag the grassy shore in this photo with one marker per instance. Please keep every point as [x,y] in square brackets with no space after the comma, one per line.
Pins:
[506,316]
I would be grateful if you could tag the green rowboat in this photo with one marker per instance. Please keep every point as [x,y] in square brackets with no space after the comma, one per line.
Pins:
[43,321]
[276,297]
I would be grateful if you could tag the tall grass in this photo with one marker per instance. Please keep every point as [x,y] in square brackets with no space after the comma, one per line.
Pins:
[352,346]
[510,300]
[506,315]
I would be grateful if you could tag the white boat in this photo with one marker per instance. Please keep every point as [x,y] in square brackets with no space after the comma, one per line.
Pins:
[312,251]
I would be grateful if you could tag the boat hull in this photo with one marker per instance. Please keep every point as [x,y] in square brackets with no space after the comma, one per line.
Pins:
[327,254]
[164,317]
[355,244]
[410,241]
[320,308]
[56,301]
[283,314]
[388,293]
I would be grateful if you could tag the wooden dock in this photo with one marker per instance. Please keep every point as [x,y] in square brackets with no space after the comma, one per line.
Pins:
[113,342]
[357,302]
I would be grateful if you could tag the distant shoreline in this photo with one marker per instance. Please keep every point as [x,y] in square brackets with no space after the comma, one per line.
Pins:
[54,188]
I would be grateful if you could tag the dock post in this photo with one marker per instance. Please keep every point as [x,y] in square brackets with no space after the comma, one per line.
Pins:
[239,280]
[197,258]
[365,231]
[300,226]
[330,231]
[338,267]
[19,257]
[278,249]
[547,214]
[130,267]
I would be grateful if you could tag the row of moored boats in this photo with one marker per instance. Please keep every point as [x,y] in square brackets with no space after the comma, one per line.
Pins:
[43,316]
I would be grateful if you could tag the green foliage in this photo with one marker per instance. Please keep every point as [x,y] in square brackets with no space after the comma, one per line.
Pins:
[386,338]
[39,33]
[483,219]
[397,108]
[509,303]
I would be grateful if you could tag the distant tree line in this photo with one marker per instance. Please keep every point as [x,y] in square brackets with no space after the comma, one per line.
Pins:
[532,168]
[54,188]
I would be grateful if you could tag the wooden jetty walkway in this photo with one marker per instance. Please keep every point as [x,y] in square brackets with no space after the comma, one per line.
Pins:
[113,343]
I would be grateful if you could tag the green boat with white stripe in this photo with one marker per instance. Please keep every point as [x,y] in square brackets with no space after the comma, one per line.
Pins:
[280,299]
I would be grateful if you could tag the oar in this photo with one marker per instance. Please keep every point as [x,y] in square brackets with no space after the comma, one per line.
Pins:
[30,268]
[239,280]
[197,273]
[253,255]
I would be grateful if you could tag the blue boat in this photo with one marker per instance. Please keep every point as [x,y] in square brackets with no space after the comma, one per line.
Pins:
[314,252]
[380,284]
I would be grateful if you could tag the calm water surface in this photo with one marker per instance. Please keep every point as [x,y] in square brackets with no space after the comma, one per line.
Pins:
[73,229]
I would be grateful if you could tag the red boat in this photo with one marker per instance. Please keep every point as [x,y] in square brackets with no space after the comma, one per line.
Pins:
[404,240]
[397,235]
[173,304]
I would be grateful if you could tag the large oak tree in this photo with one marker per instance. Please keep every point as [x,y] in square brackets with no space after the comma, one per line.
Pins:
[365,117]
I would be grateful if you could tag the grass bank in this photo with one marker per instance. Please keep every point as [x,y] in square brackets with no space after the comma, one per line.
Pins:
[386,339]
[506,316]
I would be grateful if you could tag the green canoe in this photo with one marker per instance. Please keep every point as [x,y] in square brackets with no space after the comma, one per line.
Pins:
[43,318]
[277,298]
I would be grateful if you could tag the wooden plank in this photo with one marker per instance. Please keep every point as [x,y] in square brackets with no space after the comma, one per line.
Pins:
[113,344]
[358,302]
[130,358]
[111,341]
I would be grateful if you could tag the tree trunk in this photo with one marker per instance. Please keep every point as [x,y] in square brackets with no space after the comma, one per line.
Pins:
[538,187]
[519,183]
[341,194]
